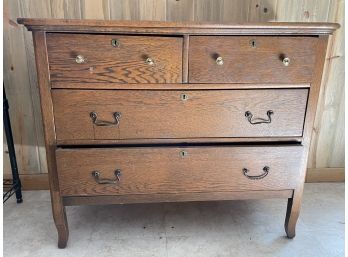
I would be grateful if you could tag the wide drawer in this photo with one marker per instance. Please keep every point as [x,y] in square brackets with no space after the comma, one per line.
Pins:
[86,58]
[121,171]
[124,114]
[251,59]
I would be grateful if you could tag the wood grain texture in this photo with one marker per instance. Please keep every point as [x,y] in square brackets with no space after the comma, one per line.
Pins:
[19,93]
[294,203]
[40,182]
[262,10]
[246,64]
[106,63]
[180,197]
[58,210]
[174,86]
[179,28]
[41,10]
[325,175]
[179,10]
[163,114]
[196,140]
[158,170]
[92,9]
[327,149]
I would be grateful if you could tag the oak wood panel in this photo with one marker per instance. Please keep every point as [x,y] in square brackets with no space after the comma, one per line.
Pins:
[165,170]
[106,63]
[163,114]
[172,86]
[327,145]
[179,197]
[246,64]
[58,210]
[157,27]
[294,203]
[197,140]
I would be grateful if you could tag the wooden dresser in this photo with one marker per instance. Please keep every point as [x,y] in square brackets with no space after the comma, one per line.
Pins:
[161,112]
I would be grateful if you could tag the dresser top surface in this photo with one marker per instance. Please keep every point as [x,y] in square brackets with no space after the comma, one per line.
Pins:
[178,28]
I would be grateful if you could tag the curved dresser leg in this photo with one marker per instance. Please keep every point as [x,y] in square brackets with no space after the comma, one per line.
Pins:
[292,213]
[60,220]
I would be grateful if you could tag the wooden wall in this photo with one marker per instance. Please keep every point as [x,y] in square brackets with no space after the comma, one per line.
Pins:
[327,150]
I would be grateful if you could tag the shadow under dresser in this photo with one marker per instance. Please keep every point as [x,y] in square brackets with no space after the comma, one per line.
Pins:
[137,112]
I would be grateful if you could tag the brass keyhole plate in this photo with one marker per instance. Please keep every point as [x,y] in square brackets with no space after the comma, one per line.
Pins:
[183,97]
[183,153]
[252,43]
[115,43]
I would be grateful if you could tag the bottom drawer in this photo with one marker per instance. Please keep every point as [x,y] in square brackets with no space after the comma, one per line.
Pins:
[152,170]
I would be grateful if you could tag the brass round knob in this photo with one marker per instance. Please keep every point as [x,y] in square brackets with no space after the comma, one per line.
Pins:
[219,61]
[80,59]
[149,61]
[286,61]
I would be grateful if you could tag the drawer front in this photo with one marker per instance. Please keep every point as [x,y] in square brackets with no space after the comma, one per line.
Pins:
[123,114]
[246,59]
[85,58]
[121,171]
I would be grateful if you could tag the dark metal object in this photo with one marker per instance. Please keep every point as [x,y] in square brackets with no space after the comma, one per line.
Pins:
[11,186]
[183,153]
[249,116]
[264,174]
[116,115]
[184,97]
[96,175]
[115,43]
[252,43]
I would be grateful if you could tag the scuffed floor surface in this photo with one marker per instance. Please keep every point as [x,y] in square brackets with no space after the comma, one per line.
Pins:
[215,229]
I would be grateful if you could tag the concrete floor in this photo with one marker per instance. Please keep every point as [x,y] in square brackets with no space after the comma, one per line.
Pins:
[215,229]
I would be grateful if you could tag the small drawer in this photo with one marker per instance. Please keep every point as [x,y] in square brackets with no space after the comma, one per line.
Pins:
[251,59]
[86,58]
[137,114]
[151,170]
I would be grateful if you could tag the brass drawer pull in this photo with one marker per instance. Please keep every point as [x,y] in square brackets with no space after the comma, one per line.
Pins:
[249,116]
[150,61]
[80,59]
[96,175]
[219,61]
[264,174]
[116,115]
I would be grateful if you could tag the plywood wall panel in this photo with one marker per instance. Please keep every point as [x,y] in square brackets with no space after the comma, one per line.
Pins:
[180,10]
[72,9]
[235,11]
[124,10]
[18,91]
[327,147]
[152,10]
[98,10]
[262,10]
[208,10]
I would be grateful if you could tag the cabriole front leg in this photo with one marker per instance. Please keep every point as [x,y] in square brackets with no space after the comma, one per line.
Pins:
[292,214]
[60,220]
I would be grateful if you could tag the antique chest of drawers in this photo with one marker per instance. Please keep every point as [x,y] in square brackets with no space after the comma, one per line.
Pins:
[154,111]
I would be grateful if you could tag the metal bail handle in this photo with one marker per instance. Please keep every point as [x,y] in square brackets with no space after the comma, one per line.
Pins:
[116,115]
[96,174]
[264,174]
[254,121]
